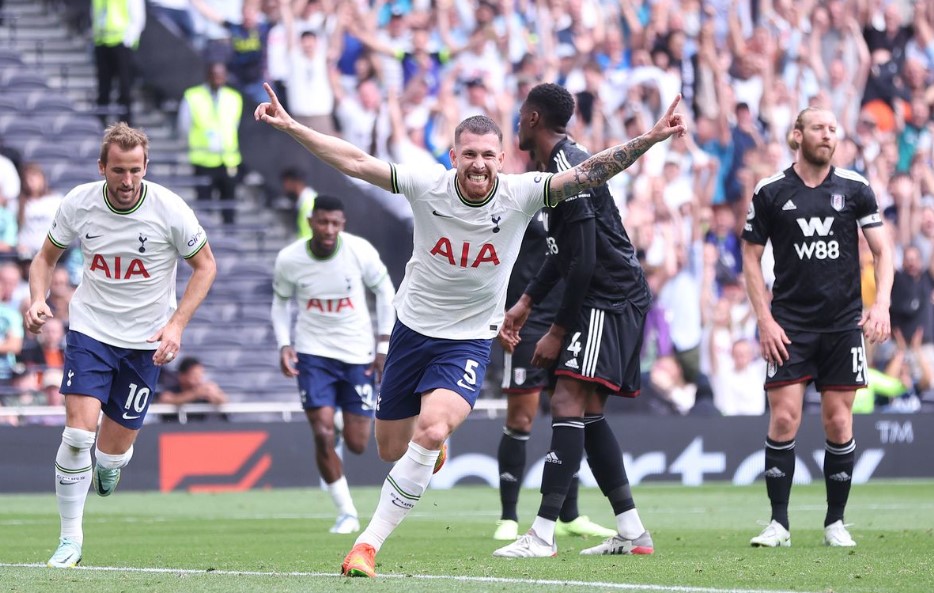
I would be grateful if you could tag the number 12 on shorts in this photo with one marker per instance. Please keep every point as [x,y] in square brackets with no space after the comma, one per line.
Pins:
[469,380]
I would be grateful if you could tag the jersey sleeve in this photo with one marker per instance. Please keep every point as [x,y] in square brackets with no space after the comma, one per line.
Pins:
[413,182]
[758,225]
[187,233]
[62,232]
[867,208]
[532,191]
[372,267]
[281,285]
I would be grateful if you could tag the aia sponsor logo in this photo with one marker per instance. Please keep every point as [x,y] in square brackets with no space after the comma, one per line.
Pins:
[467,256]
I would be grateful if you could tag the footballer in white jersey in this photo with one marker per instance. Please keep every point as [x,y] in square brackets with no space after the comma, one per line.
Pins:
[463,251]
[469,224]
[333,317]
[124,320]
[127,290]
[334,358]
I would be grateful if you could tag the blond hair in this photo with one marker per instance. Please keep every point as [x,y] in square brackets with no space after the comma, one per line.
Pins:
[126,138]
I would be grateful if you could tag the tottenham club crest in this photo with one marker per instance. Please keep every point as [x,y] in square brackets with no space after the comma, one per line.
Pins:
[772,369]
[837,202]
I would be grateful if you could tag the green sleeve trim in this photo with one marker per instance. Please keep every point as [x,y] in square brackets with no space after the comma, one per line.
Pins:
[198,248]
[56,243]
[393,179]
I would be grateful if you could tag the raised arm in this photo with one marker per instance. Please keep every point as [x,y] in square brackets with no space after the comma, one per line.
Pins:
[599,168]
[336,152]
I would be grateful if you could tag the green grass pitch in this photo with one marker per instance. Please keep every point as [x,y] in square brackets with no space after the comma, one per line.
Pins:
[277,541]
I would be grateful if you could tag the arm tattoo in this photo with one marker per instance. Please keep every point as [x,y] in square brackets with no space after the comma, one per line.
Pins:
[599,168]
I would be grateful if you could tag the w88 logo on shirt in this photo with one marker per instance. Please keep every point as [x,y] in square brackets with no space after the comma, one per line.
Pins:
[821,247]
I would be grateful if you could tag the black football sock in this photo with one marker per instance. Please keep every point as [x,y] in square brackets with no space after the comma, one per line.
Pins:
[561,464]
[511,457]
[838,476]
[606,462]
[779,473]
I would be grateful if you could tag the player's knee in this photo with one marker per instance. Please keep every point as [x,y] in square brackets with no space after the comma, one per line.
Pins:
[838,428]
[432,436]
[324,437]
[390,451]
[113,460]
[78,439]
[356,444]
[521,423]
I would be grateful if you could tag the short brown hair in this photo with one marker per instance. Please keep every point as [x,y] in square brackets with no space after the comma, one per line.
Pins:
[480,125]
[126,138]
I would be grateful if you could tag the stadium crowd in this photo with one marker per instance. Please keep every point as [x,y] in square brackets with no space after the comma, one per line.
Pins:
[394,78]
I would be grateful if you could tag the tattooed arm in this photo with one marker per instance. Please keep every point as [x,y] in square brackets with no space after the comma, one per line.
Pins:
[599,168]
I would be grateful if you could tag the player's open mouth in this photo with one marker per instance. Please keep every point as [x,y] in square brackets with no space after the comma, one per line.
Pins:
[477,178]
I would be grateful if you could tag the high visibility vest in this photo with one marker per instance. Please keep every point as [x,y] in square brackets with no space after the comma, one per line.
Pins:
[110,20]
[213,140]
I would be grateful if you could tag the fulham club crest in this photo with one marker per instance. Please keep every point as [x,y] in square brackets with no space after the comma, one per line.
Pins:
[837,202]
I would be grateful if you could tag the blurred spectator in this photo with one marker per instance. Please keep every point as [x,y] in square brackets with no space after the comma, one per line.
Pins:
[176,15]
[302,197]
[364,119]
[247,37]
[11,338]
[308,83]
[13,289]
[209,16]
[116,26]
[45,350]
[738,380]
[9,184]
[50,385]
[60,292]
[723,236]
[912,290]
[209,117]
[37,207]
[190,385]
[9,228]
[664,390]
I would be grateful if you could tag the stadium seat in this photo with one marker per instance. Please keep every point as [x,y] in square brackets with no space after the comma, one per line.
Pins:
[20,80]
[82,126]
[45,102]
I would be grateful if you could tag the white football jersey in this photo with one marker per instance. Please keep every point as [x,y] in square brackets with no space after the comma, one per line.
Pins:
[127,290]
[455,282]
[333,316]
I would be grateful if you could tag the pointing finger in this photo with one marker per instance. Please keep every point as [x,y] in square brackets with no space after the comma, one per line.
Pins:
[272,95]
[674,104]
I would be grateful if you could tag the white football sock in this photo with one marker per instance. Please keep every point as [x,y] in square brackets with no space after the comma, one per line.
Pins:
[340,494]
[108,461]
[404,485]
[629,525]
[73,479]
[544,528]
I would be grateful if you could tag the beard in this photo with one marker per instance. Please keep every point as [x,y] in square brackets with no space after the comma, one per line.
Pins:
[817,154]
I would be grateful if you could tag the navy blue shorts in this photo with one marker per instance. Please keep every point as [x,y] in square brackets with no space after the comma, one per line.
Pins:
[330,382]
[123,379]
[417,364]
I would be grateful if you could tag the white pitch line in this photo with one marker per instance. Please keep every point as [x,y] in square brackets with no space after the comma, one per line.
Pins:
[426,577]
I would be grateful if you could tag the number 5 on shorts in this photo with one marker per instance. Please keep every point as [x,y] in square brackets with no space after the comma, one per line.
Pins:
[469,380]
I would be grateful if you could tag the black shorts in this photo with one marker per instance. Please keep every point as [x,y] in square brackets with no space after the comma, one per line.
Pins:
[604,348]
[835,360]
[519,376]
